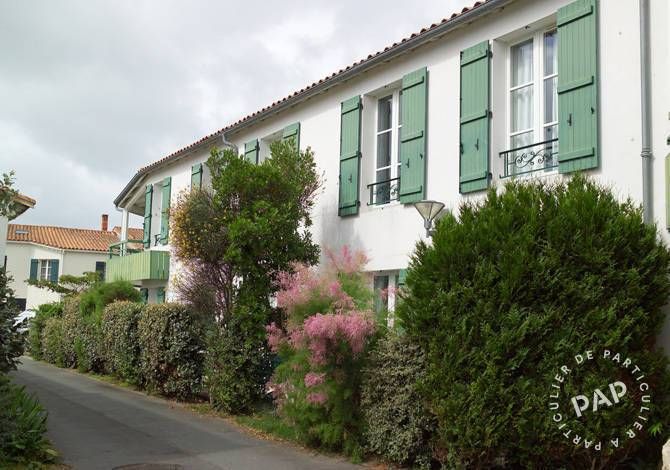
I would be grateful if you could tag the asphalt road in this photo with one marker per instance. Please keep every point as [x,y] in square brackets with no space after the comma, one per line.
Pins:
[95,425]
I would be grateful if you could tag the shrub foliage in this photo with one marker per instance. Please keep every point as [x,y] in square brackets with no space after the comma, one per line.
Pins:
[12,339]
[238,362]
[514,288]
[171,355]
[37,324]
[23,428]
[327,332]
[398,426]
[120,341]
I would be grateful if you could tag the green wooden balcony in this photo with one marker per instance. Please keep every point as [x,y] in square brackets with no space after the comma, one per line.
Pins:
[140,266]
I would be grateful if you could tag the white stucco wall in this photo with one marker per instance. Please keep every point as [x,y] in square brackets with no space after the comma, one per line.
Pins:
[388,233]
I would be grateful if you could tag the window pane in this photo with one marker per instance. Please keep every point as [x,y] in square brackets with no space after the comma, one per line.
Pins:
[522,108]
[520,159]
[551,150]
[521,140]
[384,114]
[384,149]
[550,100]
[522,63]
[383,191]
[550,57]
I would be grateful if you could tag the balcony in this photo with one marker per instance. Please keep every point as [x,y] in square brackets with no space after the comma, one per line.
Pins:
[128,262]
[532,158]
[383,192]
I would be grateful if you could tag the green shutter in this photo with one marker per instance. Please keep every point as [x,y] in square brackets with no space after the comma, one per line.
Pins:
[165,210]
[251,151]
[474,172]
[144,292]
[578,86]
[292,131]
[402,275]
[350,156]
[53,277]
[34,268]
[148,196]
[160,295]
[413,136]
[196,176]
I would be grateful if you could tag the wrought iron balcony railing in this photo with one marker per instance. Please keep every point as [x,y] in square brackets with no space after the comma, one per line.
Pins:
[542,156]
[383,192]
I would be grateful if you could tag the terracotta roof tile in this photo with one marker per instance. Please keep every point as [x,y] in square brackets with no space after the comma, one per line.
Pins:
[66,238]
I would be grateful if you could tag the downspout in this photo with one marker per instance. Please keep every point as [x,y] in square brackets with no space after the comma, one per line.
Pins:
[229,144]
[645,87]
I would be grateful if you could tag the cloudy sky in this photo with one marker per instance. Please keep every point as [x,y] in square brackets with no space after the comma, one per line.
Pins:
[91,90]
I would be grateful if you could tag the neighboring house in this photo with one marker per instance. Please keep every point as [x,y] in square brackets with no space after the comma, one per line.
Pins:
[21,204]
[46,253]
[505,89]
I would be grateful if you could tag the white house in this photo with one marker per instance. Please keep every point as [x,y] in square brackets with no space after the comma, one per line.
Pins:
[21,204]
[491,93]
[45,253]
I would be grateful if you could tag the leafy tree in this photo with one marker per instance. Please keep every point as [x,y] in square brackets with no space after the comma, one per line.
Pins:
[7,195]
[68,284]
[233,242]
[512,289]
[97,297]
[12,339]
[251,227]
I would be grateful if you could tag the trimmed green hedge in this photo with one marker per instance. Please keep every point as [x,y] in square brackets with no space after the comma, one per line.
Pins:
[513,288]
[172,350]
[120,341]
[53,350]
[37,324]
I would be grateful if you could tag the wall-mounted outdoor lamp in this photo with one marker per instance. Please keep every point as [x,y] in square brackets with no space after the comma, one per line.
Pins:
[429,210]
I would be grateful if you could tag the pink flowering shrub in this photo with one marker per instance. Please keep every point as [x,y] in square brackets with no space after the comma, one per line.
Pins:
[327,329]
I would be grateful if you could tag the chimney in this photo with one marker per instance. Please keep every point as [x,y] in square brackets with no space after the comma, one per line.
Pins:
[104,222]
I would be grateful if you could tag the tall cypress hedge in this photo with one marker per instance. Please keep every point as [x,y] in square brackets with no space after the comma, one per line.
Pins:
[515,286]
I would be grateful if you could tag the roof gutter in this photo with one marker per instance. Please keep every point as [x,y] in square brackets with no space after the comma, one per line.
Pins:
[362,66]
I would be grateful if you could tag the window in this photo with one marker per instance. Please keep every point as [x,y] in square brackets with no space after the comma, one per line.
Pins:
[387,163]
[385,286]
[100,269]
[46,266]
[20,304]
[533,120]
[265,143]
[381,301]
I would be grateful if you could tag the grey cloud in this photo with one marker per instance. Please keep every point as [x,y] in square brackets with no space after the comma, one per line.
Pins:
[92,90]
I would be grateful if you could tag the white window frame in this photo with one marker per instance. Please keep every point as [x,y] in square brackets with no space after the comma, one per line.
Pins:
[45,269]
[392,289]
[396,126]
[538,81]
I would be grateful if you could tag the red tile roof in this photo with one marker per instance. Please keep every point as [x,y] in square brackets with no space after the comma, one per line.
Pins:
[66,238]
[305,92]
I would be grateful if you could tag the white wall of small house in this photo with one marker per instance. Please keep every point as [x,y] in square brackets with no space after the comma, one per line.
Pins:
[69,262]
[389,233]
